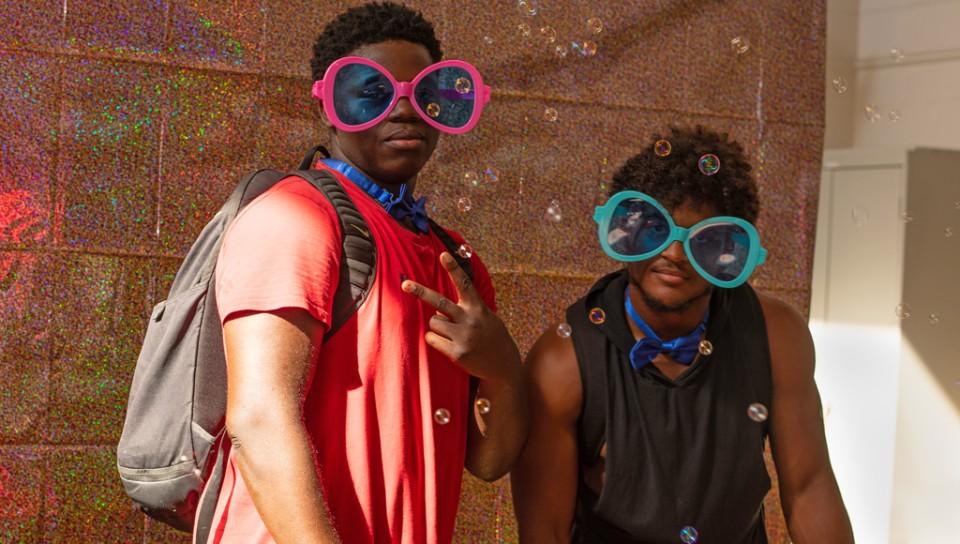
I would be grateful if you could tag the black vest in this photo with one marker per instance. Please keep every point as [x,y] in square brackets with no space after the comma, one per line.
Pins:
[681,453]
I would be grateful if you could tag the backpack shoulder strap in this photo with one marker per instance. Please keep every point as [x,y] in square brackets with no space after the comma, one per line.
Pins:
[358,260]
[452,247]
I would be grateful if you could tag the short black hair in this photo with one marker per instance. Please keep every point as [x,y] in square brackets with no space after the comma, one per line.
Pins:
[676,178]
[367,24]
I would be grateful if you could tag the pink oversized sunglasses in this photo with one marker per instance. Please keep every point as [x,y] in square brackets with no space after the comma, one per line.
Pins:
[357,93]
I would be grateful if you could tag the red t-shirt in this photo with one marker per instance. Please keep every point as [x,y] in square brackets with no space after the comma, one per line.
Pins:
[390,471]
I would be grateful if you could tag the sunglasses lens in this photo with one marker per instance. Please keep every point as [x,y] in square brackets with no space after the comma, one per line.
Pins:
[360,93]
[447,95]
[721,250]
[637,228]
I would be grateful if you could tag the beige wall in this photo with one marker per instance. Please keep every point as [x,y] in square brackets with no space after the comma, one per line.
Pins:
[918,472]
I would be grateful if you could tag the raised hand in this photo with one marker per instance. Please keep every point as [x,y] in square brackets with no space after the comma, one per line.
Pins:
[467,331]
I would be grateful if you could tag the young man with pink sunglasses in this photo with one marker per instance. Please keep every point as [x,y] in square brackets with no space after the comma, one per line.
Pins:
[364,437]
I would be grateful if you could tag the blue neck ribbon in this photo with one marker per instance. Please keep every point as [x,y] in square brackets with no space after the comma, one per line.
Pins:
[401,207]
[682,349]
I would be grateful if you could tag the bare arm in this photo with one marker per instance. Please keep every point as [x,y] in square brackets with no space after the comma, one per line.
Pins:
[470,334]
[270,363]
[544,480]
[809,493]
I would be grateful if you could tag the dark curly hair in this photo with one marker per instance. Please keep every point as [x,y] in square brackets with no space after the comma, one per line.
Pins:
[371,23]
[676,178]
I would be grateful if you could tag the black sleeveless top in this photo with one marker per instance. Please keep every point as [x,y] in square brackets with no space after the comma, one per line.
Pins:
[681,453]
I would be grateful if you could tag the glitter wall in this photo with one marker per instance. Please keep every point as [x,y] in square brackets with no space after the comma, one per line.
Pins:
[126,123]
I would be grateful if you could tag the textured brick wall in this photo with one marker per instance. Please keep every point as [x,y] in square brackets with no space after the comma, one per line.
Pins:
[125,124]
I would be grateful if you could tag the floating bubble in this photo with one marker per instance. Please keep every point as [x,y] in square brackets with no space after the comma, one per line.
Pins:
[595,25]
[528,7]
[433,109]
[463,85]
[488,40]
[560,51]
[465,250]
[871,113]
[491,174]
[550,115]
[740,45]
[705,348]
[902,311]
[525,29]
[553,211]
[894,115]
[585,48]
[896,55]
[689,535]
[840,84]
[948,232]
[662,148]
[564,330]
[906,217]
[597,316]
[757,412]
[548,34]
[471,178]
[442,416]
[464,204]
[483,406]
[860,216]
[709,164]
[956,205]
[933,319]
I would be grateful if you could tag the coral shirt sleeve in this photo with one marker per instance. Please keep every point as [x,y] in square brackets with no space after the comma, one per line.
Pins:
[282,251]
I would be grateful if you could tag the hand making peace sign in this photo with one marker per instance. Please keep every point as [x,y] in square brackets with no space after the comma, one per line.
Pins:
[467,331]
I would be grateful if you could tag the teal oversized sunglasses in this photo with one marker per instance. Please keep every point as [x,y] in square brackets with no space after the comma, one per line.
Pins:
[633,226]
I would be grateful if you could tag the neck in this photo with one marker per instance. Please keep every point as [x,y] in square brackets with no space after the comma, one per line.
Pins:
[667,324]
[391,185]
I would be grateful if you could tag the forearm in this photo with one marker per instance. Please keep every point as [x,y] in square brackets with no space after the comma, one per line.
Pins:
[276,460]
[496,437]
[816,514]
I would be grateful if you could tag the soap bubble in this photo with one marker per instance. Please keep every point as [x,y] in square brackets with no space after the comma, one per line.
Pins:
[662,148]
[757,412]
[871,113]
[548,34]
[483,406]
[471,178]
[550,115]
[933,319]
[740,45]
[689,535]
[433,109]
[524,29]
[860,216]
[553,211]
[464,204]
[894,115]
[597,316]
[560,51]
[491,174]
[564,330]
[528,7]
[902,311]
[840,84]
[595,25]
[709,164]
[896,55]
[465,250]
[442,416]
[463,85]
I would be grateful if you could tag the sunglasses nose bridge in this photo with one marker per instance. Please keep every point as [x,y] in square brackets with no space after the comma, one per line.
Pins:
[404,90]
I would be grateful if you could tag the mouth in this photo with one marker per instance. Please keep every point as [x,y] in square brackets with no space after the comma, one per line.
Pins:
[669,276]
[405,139]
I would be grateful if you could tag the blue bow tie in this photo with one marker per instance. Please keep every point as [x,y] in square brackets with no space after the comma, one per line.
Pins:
[682,349]
[403,206]
[399,207]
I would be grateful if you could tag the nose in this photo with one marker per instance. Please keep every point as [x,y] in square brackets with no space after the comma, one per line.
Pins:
[403,112]
[674,252]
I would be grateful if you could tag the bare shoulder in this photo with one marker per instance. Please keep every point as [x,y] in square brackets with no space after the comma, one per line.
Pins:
[554,376]
[791,346]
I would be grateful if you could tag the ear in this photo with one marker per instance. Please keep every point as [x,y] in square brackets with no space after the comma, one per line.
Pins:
[323,116]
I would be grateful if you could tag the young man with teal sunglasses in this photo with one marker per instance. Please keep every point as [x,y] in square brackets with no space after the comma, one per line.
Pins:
[651,404]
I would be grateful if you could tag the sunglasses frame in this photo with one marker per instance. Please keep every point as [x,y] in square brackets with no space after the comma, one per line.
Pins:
[324,93]
[756,254]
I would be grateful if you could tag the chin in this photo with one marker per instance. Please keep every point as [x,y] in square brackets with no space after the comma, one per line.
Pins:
[671,298]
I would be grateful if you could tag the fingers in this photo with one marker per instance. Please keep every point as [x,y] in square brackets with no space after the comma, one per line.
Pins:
[460,279]
[443,345]
[433,298]
[442,325]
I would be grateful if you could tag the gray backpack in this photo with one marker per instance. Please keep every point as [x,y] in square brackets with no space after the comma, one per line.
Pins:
[172,451]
